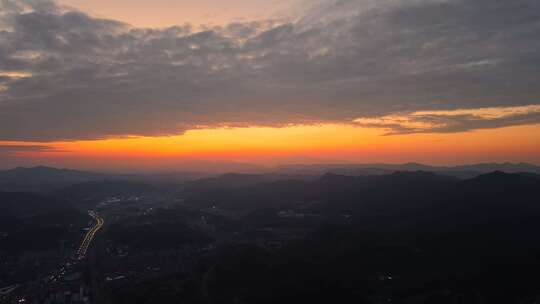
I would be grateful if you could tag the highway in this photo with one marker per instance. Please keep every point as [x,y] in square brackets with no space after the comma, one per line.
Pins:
[89,236]
[81,251]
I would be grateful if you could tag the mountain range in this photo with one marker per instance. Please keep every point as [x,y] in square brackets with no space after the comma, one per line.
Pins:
[45,178]
[461,171]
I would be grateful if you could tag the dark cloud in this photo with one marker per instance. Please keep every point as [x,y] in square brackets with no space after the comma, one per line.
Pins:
[344,59]
[8,150]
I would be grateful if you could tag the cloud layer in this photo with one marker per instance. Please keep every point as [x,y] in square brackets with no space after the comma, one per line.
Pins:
[66,75]
[12,150]
[454,120]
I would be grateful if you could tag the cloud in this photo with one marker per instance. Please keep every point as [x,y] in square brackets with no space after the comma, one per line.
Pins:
[341,59]
[8,150]
[453,120]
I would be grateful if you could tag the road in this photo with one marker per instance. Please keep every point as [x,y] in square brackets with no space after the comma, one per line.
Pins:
[81,251]
[89,236]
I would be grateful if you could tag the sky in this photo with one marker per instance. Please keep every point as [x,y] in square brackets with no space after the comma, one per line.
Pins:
[166,13]
[155,85]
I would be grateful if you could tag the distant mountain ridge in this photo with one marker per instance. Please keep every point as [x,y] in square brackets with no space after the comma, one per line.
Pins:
[48,178]
[42,177]
[404,189]
[461,171]
[49,173]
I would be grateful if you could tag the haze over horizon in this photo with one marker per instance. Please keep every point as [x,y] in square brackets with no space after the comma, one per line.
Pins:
[138,85]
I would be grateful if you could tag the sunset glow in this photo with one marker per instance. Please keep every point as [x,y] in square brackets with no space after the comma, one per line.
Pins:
[316,143]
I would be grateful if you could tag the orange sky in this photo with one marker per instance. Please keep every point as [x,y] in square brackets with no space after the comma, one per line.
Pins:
[270,146]
[164,13]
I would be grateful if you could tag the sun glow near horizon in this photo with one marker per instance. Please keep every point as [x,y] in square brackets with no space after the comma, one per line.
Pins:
[270,145]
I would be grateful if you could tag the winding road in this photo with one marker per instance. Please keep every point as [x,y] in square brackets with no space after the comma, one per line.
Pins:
[89,236]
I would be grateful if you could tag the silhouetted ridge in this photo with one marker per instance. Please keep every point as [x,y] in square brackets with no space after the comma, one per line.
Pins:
[43,171]
[330,178]
[419,176]
[463,171]
[21,178]
[501,182]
